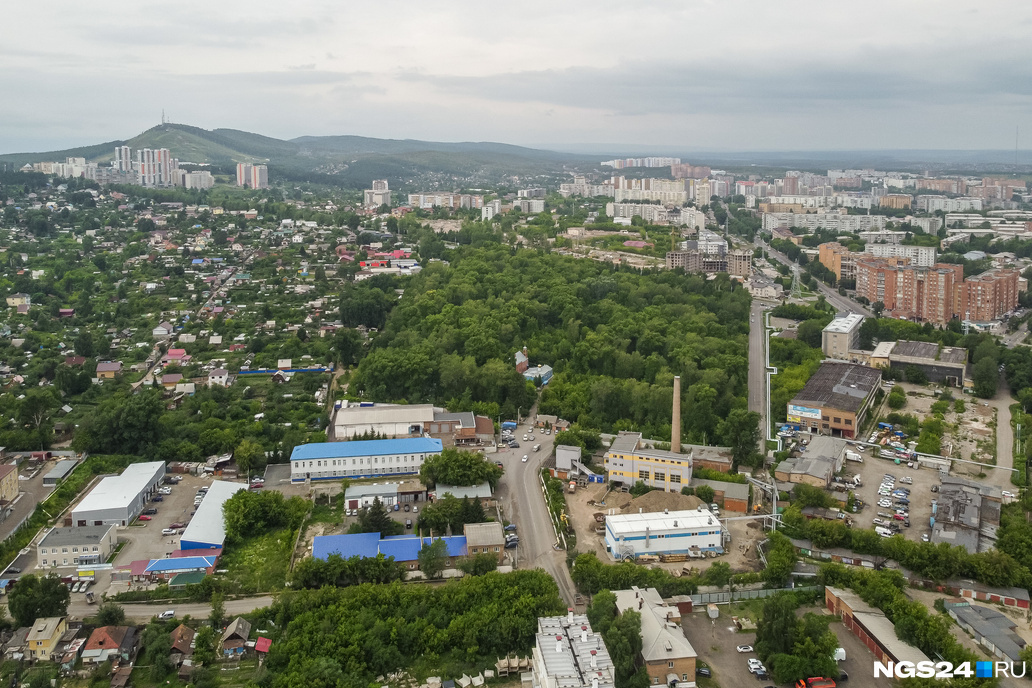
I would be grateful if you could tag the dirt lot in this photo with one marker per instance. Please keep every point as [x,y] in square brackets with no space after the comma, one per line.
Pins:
[741,554]
[970,434]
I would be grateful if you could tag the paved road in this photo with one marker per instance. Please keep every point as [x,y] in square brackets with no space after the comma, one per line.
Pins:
[525,506]
[840,302]
[1016,337]
[143,612]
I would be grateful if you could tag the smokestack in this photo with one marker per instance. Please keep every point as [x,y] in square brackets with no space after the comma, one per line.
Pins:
[675,426]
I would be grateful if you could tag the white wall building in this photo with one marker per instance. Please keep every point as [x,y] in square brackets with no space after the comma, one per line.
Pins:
[676,532]
[948,205]
[76,546]
[568,654]
[207,529]
[361,459]
[387,420]
[118,499]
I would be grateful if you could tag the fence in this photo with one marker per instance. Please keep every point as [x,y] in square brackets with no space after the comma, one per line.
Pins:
[727,598]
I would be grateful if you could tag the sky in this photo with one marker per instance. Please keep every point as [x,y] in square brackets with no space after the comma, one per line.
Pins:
[692,75]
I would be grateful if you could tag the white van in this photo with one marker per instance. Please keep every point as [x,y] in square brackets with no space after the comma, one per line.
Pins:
[537,447]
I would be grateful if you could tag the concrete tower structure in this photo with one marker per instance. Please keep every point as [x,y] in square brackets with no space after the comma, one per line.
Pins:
[675,426]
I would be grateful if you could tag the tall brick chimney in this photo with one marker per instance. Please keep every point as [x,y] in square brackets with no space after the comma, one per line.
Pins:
[675,429]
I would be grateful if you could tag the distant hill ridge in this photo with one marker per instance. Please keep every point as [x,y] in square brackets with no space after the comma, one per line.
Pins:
[223,146]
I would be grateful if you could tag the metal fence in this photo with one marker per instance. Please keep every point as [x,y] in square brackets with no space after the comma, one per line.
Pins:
[727,598]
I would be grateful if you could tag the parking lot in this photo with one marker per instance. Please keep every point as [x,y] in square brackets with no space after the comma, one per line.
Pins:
[872,472]
[143,539]
[715,640]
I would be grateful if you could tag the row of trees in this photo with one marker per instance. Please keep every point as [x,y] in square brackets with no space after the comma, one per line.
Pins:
[591,575]
[794,647]
[622,635]
[459,467]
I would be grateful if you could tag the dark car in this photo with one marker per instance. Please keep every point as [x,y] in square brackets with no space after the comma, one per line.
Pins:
[13,569]
[843,676]
[512,544]
[408,524]
[514,445]
[158,498]
[149,512]
[703,671]
[762,676]
[511,527]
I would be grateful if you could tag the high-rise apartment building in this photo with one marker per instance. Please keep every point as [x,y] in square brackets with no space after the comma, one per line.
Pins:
[123,159]
[686,171]
[837,258]
[155,167]
[895,201]
[244,173]
[259,177]
[987,296]
[379,195]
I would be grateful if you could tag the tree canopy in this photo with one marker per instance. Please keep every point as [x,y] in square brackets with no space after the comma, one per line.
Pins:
[35,597]
[459,467]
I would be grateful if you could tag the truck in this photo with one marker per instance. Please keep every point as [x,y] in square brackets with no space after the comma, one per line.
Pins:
[509,425]
[572,487]
[90,597]
[853,456]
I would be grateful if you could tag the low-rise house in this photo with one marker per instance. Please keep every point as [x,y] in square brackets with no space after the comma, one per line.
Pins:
[43,638]
[107,370]
[668,656]
[182,644]
[170,380]
[218,378]
[110,643]
[163,331]
[485,538]
[481,492]
[234,638]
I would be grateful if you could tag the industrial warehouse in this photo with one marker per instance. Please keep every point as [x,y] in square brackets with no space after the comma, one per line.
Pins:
[119,499]
[361,459]
[834,400]
[629,536]
[207,529]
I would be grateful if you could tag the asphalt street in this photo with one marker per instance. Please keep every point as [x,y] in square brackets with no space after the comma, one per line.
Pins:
[840,302]
[520,493]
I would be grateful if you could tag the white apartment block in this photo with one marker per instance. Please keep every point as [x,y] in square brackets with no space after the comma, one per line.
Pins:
[490,209]
[835,221]
[921,256]
[883,236]
[580,186]
[929,225]
[154,167]
[948,205]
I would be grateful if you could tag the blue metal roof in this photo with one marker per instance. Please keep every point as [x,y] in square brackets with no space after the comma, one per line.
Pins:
[357,544]
[180,564]
[368,545]
[343,450]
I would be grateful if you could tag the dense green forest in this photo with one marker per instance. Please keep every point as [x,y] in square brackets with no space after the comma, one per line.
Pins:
[350,636]
[615,339]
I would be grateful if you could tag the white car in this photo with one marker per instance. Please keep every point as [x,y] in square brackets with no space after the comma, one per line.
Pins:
[169,531]
[884,503]
[880,522]
[525,457]
[165,490]
[755,662]
[744,648]
[1005,493]
[167,614]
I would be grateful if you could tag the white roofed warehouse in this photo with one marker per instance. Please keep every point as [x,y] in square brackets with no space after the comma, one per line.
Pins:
[629,536]
[207,529]
[119,499]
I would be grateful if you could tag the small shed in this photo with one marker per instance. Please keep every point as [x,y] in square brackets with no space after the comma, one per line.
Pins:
[59,472]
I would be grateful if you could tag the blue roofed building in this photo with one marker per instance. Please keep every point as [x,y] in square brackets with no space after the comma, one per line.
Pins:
[169,568]
[361,458]
[404,548]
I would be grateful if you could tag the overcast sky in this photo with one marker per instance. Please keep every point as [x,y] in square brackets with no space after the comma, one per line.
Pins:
[686,74]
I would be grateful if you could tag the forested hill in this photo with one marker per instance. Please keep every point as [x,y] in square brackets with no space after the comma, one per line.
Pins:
[614,337]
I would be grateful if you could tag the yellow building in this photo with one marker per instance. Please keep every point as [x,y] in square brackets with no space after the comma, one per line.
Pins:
[43,638]
[18,299]
[627,462]
[8,482]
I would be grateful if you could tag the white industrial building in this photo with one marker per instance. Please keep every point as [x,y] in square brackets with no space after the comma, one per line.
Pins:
[568,654]
[674,532]
[386,420]
[118,499]
[361,458]
[842,335]
[207,529]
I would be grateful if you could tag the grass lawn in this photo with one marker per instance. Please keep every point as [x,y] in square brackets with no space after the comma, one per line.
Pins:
[325,513]
[259,564]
